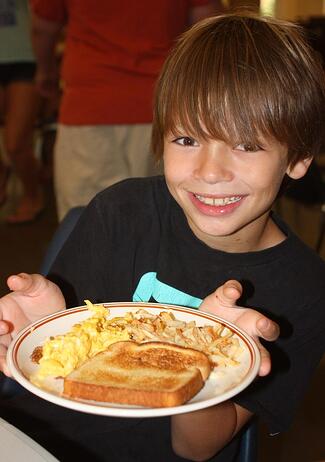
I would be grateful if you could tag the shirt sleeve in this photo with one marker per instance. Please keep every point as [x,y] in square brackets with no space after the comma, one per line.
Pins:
[276,397]
[51,10]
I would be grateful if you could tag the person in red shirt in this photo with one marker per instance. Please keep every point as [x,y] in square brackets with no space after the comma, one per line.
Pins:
[113,54]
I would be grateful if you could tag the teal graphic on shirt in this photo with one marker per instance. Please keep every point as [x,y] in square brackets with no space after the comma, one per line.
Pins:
[149,286]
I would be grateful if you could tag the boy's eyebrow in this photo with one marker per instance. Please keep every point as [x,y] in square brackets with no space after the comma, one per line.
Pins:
[260,140]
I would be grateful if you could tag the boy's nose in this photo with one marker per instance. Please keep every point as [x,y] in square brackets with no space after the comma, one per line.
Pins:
[214,164]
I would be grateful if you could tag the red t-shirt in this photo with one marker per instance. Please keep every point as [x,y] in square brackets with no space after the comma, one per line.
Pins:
[114,51]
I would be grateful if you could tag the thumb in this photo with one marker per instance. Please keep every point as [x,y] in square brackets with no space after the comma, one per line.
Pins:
[29,284]
[224,297]
[229,293]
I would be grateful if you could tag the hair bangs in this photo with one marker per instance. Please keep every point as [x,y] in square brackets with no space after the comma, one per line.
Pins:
[215,90]
[238,79]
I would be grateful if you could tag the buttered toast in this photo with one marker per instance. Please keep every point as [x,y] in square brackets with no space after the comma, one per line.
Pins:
[152,374]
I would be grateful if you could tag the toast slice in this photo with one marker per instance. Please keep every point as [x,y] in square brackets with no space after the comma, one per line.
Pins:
[152,374]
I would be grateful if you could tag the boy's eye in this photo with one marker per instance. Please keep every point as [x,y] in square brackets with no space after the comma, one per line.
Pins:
[185,141]
[248,147]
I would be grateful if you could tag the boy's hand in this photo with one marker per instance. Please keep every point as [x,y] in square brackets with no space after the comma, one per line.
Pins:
[222,302]
[32,297]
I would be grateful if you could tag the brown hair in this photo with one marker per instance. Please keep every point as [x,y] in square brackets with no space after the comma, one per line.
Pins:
[238,78]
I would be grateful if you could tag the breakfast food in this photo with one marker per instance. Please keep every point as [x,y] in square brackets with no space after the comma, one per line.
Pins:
[62,354]
[154,374]
[216,341]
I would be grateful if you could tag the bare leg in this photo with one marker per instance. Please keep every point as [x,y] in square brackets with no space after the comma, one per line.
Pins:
[22,106]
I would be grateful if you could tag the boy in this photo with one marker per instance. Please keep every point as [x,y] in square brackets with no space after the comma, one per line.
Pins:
[239,108]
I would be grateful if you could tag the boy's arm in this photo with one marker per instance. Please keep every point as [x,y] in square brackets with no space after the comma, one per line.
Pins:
[201,434]
[32,297]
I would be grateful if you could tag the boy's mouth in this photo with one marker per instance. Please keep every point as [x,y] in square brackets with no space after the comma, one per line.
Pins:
[216,206]
[218,201]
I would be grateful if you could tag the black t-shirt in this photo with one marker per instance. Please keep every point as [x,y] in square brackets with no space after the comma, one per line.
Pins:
[133,243]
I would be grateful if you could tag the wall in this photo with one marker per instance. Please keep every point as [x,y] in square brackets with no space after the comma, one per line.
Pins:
[299,9]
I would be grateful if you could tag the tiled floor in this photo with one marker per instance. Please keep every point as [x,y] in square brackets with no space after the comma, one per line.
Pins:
[22,248]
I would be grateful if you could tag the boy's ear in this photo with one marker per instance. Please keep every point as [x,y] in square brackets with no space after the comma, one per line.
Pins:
[299,169]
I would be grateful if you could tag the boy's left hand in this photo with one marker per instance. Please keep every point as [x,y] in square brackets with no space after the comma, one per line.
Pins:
[222,302]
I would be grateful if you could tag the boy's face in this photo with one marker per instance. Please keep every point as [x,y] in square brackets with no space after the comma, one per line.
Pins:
[226,192]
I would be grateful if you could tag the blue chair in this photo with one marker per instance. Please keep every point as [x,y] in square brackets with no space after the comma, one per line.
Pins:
[248,443]
[59,238]
[8,387]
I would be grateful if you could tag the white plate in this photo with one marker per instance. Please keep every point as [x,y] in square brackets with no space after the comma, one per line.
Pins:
[223,383]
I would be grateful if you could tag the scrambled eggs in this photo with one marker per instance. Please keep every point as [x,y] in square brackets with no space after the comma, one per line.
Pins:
[64,353]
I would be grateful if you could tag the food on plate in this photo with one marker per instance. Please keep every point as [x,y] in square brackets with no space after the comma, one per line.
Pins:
[152,374]
[62,354]
[217,341]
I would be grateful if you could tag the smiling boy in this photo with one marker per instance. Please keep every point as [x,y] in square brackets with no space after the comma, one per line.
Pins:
[239,106]
[226,191]
[239,109]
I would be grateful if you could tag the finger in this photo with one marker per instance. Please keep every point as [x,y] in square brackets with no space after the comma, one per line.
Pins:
[229,293]
[4,367]
[267,329]
[4,328]
[3,363]
[265,366]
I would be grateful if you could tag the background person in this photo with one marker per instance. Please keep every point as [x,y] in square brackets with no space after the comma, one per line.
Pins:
[113,54]
[19,106]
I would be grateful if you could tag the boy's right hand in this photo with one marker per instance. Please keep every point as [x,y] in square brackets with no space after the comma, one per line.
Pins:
[32,297]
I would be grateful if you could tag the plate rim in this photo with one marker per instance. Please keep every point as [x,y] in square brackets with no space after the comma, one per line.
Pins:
[137,412]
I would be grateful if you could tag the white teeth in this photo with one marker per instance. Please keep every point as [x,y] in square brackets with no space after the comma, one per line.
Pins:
[219,201]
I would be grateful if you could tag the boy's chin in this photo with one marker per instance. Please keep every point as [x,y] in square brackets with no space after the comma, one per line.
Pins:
[208,233]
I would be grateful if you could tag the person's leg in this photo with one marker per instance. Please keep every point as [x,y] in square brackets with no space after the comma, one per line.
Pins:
[87,159]
[22,104]
[138,151]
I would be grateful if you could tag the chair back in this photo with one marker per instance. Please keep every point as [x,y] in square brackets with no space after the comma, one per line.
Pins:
[60,236]
[248,443]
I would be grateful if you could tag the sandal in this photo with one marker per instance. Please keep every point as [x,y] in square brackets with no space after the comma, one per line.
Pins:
[4,183]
